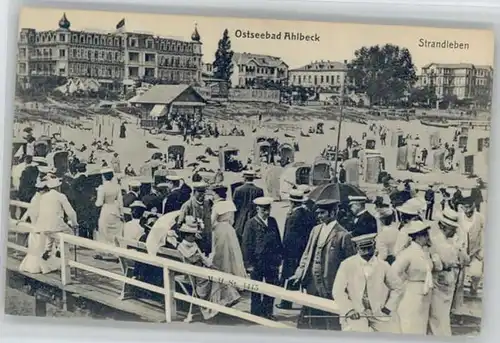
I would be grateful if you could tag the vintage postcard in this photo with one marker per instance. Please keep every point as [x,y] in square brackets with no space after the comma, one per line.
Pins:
[228,171]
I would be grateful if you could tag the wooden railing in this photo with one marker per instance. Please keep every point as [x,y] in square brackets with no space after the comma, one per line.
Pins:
[170,267]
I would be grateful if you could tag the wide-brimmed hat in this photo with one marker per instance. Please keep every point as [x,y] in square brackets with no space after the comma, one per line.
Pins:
[190,225]
[413,206]
[199,186]
[305,189]
[357,198]
[296,196]
[173,178]
[162,185]
[263,201]
[106,170]
[138,204]
[53,183]
[134,183]
[384,212]
[249,174]
[417,226]
[366,240]
[449,217]
[223,207]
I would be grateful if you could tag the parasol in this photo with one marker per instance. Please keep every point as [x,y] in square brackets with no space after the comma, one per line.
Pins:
[335,191]
[161,232]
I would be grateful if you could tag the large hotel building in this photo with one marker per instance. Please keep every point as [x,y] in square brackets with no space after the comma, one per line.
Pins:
[108,57]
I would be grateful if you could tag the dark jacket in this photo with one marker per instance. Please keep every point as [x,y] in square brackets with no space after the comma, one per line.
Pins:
[129,198]
[82,197]
[245,208]
[152,200]
[262,243]
[185,193]
[174,201]
[27,183]
[430,196]
[364,224]
[298,226]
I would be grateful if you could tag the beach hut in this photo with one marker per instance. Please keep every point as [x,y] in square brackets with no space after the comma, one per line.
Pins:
[438,159]
[396,138]
[412,155]
[434,140]
[320,172]
[402,158]
[464,130]
[462,141]
[295,175]
[351,167]
[467,164]
[374,164]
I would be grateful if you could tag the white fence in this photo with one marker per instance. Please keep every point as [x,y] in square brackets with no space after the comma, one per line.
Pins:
[169,268]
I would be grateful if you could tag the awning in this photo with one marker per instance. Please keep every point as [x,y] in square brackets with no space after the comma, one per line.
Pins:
[157,111]
[186,104]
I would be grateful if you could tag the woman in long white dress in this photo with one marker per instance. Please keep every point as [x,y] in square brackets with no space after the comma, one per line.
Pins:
[109,199]
[33,262]
[414,264]
[226,252]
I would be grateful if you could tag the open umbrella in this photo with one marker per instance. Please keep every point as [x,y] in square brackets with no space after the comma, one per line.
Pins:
[335,191]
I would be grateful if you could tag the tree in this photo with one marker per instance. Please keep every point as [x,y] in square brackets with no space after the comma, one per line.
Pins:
[223,63]
[385,73]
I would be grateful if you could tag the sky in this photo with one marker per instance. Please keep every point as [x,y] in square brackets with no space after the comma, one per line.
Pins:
[337,42]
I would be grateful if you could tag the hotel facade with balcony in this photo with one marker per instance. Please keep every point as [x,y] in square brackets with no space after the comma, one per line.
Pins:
[463,80]
[107,57]
[249,69]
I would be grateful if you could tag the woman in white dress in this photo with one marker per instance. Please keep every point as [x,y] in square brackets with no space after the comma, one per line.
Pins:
[226,253]
[33,262]
[414,264]
[109,199]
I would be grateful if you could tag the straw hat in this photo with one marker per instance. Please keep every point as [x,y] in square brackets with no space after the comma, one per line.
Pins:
[137,203]
[413,206]
[191,225]
[367,240]
[385,212]
[449,217]
[417,226]
[296,196]
[134,183]
[53,183]
[263,201]
[223,207]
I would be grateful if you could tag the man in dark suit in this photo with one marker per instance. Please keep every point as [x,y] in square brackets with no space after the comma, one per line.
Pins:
[243,200]
[131,196]
[176,195]
[153,200]
[298,225]
[163,191]
[364,223]
[27,182]
[328,245]
[262,254]
[342,174]
[83,201]
[430,199]
[185,192]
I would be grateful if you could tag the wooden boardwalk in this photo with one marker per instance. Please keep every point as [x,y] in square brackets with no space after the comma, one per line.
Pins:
[104,294]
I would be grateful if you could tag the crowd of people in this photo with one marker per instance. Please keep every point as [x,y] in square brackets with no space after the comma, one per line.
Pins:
[398,268]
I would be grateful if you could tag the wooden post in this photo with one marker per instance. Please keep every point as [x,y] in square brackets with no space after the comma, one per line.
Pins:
[65,269]
[112,130]
[169,287]
[40,307]
[100,128]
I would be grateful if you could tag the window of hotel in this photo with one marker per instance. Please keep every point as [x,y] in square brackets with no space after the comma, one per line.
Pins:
[322,79]
[96,41]
[117,56]
[62,37]
[149,44]
[82,39]
[38,39]
[73,53]
[162,46]
[117,42]
[103,41]
[96,55]
[133,42]
[62,53]
[89,40]
[338,78]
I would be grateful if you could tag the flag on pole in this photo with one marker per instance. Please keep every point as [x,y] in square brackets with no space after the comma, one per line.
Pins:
[120,24]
